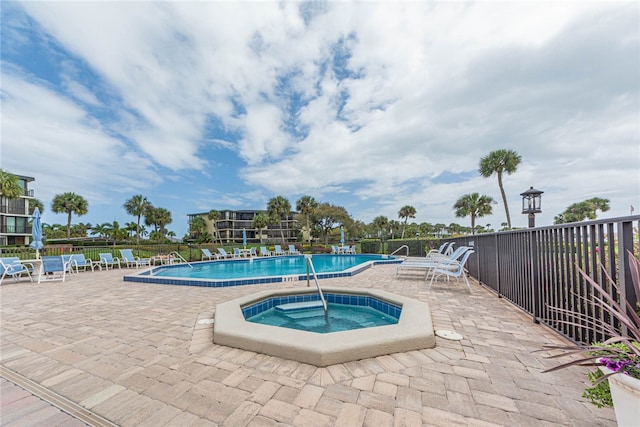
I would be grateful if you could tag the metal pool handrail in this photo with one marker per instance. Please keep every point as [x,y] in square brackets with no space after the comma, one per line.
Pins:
[177,255]
[398,250]
[309,264]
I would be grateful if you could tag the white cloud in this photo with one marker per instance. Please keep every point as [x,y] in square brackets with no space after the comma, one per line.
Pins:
[435,86]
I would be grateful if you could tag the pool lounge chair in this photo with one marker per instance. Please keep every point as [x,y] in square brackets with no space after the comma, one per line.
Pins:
[53,268]
[445,249]
[78,261]
[224,253]
[278,250]
[264,251]
[237,253]
[335,249]
[206,253]
[107,260]
[252,252]
[133,261]
[12,267]
[452,269]
[429,263]
[293,250]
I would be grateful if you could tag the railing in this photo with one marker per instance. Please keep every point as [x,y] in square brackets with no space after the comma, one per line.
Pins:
[399,249]
[538,268]
[177,255]
[309,265]
[15,229]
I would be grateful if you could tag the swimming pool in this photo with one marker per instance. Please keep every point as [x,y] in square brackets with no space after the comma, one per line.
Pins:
[258,270]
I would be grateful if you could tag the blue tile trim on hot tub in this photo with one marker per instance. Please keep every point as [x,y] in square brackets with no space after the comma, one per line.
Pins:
[358,300]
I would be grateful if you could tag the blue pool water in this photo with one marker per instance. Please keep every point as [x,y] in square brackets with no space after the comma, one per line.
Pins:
[266,267]
[339,317]
[257,270]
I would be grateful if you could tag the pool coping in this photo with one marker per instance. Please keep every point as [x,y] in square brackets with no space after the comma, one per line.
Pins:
[146,276]
[414,331]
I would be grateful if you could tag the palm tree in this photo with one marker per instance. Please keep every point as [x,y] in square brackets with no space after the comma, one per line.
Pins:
[279,207]
[10,187]
[131,229]
[163,217]
[69,203]
[197,226]
[114,231]
[100,229]
[381,223]
[260,222]
[214,217]
[35,203]
[406,212]
[307,206]
[473,205]
[136,206]
[497,162]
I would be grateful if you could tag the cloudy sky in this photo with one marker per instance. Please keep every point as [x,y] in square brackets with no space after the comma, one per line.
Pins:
[368,105]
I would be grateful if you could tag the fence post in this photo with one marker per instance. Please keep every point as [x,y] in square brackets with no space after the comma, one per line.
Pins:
[625,243]
[535,288]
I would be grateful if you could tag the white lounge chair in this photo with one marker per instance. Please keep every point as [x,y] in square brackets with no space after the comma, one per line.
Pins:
[452,269]
[293,250]
[107,260]
[53,268]
[206,253]
[264,251]
[224,253]
[12,267]
[429,262]
[278,250]
[133,261]
[78,261]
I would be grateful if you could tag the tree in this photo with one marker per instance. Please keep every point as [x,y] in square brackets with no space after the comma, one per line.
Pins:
[197,226]
[582,210]
[473,205]
[35,203]
[279,207]
[381,223]
[69,203]
[394,227]
[498,162]
[114,231]
[328,217]
[100,229]
[163,218]
[131,229]
[10,187]
[214,217]
[260,222]
[307,206]
[136,206]
[406,212]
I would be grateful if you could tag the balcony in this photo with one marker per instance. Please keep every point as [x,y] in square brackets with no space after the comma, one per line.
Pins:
[15,229]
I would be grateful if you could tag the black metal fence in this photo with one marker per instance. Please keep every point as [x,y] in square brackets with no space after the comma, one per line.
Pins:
[538,269]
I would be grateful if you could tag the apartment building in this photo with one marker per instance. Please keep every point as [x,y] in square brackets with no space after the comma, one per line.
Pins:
[231,224]
[15,215]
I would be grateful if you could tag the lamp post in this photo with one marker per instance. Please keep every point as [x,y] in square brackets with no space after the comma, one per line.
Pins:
[531,204]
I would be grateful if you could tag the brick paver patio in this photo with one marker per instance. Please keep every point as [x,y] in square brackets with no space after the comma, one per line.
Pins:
[142,355]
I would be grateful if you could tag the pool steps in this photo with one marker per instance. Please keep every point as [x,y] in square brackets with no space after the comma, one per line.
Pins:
[298,306]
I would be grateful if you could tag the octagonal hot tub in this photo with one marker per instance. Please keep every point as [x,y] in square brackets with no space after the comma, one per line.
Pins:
[412,331]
